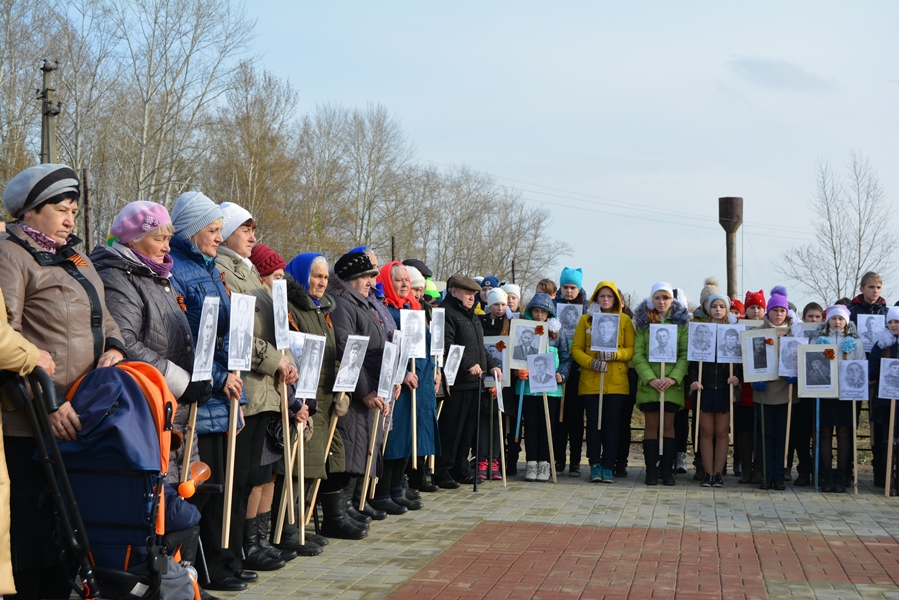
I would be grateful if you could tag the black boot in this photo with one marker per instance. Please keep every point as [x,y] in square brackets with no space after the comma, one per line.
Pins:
[265,526]
[405,501]
[427,482]
[651,454]
[354,513]
[744,439]
[666,464]
[290,541]
[838,486]
[336,523]
[388,506]
[256,559]
[825,480]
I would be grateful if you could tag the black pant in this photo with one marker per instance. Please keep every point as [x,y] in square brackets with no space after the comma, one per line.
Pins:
[681,430]
[513,448]
[602,444]
[572,430]
[483,448]
[624,423]
[457,425]
[536,443]
[774,428]
[802,428]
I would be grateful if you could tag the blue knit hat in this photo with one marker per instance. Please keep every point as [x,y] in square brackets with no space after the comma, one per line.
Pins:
[541,300]
[192,212]
[572,277]
[493,281]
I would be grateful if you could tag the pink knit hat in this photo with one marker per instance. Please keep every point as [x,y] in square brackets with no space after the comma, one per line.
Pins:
[138,218]
[835,311]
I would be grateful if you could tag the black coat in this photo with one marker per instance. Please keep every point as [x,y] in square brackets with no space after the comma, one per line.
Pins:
[463,328]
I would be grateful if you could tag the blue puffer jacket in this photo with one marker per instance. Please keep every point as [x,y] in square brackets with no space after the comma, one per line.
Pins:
[195,278]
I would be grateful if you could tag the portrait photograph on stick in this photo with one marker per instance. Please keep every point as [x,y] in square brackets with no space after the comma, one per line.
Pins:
[388,365]
[853,378]
[499,347]
[542,373]
[662,343]
[453,360]
[889,378]
[528,338]
[788,365]
[240,337]
[412,324]
[870,328]
[701,342]
[438,327]
[310,366]
[205,351]
[569,315]
[351,363]
[818,371]
[604,332]
[759,354]
[729,349]
[282,326]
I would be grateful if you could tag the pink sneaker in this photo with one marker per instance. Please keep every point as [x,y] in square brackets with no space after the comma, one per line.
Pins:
[497,476]
[482,470]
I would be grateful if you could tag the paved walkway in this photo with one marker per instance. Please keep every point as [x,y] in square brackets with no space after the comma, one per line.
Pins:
[575,539]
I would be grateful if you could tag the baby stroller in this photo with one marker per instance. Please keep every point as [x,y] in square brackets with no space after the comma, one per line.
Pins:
[107,485]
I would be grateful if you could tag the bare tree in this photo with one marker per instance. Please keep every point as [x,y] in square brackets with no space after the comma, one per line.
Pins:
[853,233]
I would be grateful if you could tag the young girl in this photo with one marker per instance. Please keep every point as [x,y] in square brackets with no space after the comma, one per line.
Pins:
[660,307]
[536,444]
[837,329]
[886,347]
[775,396]
[602,445]
[715,384]
[494,323]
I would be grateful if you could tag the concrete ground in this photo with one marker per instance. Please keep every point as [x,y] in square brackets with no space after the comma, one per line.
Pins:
[575,539]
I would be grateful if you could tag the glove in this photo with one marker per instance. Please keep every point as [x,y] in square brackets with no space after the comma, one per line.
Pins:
[197,391]
[523,374]
[760,386]
[607,356]
[600,366]
[792,380]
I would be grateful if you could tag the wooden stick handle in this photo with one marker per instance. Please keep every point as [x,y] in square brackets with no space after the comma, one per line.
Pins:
[371,453]
[288,455]
[229,468]
[662,416]
[549,436]
[697,413]
[279,525]
[890,433]
[562,404]
[414,423]
[789,420]
[310,508]
[502,452]
[854,448]
[730,434]
[301,484]
[189,442]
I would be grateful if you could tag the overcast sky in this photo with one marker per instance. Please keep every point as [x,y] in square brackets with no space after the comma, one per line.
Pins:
[628,120]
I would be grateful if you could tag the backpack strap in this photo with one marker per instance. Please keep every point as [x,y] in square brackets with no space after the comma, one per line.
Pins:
[69,260]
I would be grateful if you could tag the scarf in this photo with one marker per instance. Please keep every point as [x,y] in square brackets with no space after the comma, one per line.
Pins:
[300,268]
[44,241]
[161,270]
[391,298]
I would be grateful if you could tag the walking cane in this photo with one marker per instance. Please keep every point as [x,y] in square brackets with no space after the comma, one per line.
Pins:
[477,431]
[549,436]
[229,466]
[697,411]
[489,440]
[662,415]
[189,442]
[891,431]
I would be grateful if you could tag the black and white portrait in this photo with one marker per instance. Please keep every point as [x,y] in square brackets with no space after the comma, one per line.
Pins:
[889,379]
[853,379]
[701,342]
[438,327]
[498,348]
[240,339]
[604,332]
[870,328]
[205,351]
[402,361]
[351,363]
[412,323]
[729,349]
[310,366]
[569,315]
[527,341]
[542,373]
[279,301]
[453,360]
[662,343]
[809,330]
[385,378]
[759,354]
[788,365]
[817,371]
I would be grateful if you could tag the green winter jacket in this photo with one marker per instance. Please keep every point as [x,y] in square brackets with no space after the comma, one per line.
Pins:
[647,371]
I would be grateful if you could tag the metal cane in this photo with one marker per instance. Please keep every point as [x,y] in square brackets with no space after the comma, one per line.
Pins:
[477,431]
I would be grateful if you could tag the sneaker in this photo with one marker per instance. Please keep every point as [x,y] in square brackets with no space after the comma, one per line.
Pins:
[530,473]
[706,481]
[681,463]
[543,470]
[718,480]
[607,476]
[574,470]
[595,473]
[482,470]
[497,476]
[560,467]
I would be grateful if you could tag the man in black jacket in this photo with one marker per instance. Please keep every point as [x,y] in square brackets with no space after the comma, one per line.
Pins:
[459,414]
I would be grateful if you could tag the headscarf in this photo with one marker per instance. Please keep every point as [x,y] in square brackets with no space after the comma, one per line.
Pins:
[390,295]
[300,268]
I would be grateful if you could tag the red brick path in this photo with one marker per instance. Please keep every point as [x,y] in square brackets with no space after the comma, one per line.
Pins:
[508,560]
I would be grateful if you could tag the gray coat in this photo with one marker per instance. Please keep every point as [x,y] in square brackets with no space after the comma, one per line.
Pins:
[153,324]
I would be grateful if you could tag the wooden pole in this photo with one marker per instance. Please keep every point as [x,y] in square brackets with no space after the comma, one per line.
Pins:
[662,416]
[288,455]
[414,423]
[311,508]
[731,433]
[549,436]
[301,485]
[602,382]
[854,448]
[371,453]
[229,467]
[697,411]
[891,432]
[279,525]
[189,442]
[789,420]
[562,407]
[502,454]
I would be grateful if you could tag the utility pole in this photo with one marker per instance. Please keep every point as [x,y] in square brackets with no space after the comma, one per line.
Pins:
[49,111]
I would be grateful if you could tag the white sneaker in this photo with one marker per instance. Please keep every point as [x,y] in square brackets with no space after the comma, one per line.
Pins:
[530,473]
[542,471]
[681,462]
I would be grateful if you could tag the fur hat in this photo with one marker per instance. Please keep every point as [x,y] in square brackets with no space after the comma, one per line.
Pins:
[35,185]
[754,299]
[235,216]
[837,310]
[778,299]
[266,260]
[352,265]
[496,296]
[192,212]
[137,219]
[572,277]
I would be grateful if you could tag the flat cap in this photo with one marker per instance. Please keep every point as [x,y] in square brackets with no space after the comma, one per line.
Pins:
[463,282]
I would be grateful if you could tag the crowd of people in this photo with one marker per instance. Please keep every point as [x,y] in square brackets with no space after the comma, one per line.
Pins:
[141,297]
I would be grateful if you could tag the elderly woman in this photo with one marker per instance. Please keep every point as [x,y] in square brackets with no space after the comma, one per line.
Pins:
[198,233]
[390,495]
[135,269]
[55,299]
[310,307]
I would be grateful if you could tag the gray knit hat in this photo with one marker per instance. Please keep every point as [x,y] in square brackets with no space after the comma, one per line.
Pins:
[192,212]
[35,185]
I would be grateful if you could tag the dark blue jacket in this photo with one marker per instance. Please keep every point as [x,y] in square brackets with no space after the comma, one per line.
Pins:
[195,278]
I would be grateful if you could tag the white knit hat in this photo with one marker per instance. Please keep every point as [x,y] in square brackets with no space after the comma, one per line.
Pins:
[496,296]
[235,216]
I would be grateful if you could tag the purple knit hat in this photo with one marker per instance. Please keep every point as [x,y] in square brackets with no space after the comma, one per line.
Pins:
[778,299]
[137,219]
